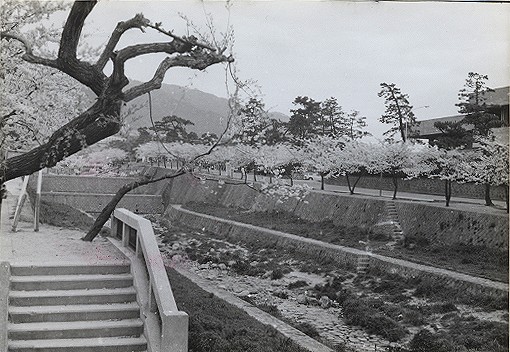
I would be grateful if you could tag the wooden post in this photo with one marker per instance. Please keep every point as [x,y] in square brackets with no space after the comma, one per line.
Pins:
[37,205]
[21,201]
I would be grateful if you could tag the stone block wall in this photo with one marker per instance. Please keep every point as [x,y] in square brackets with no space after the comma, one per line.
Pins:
[94,203]
[89,184]
[437,223]
[91,193]
[424,186]
[449,226]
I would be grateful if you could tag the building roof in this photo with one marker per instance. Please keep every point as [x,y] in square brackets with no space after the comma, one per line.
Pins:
[426,127]
[500,96]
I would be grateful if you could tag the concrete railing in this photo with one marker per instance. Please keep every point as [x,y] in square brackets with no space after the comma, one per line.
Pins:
[136,233]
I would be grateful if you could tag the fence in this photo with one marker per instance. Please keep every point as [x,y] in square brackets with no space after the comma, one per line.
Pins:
[136,233]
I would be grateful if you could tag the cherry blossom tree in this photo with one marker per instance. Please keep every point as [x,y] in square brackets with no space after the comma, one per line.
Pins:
[394,159]
[102,118]
[451,166]
[36,100]
[490,165]
[352,160]
[321,155]
[102,160]
[273,158]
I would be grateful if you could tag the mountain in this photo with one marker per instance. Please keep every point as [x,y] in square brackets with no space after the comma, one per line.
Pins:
[207,111]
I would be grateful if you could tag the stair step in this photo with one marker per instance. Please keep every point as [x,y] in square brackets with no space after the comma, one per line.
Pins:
[111,344]
[74,297]
[75,329]
[70,282]
[69,269]
[33,314]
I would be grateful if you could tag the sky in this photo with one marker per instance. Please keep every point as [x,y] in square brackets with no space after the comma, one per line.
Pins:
[340,49]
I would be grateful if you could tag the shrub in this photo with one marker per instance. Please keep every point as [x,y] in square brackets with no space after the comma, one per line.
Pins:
[276,274]
[330,289]
[307,329]
[297,284]
[271,309]
[443,308]
[413,318]
[242,267]
[425,341]
[418,240]
[364,313]
[281,294]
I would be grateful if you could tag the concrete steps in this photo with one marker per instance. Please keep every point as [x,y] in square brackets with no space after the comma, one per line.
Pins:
[70,282]
[397,233]
[99,344]
[74,308]
[34,314]
[362,264]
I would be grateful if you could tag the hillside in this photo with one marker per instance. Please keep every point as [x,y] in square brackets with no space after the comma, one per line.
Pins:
[207,111]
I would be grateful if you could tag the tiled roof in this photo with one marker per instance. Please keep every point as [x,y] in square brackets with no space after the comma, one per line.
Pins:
[426,127]
[499,97]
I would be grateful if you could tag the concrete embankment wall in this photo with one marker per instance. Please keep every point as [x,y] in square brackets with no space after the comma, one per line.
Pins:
[92,193]
[440,225]
[344,256]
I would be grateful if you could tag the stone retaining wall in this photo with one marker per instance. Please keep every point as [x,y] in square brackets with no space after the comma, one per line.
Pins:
[91,184]
[437,223]
[450,226]
[94,203]
[425,186]
[91,193]
[344,256]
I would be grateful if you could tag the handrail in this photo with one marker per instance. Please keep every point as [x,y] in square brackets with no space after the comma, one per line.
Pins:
[136,231]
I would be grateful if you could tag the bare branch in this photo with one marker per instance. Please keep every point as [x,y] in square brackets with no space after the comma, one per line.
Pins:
[196,60]
[29,55]
[191,40]
[72,29]
[139,21]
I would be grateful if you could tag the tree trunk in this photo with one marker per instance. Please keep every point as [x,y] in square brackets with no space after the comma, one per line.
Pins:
[355,184]
[291,181]
[254,176]
[506,199]
[85,130]
[322,182]
[447,191]
[395,186]
[488,200]
[351,191]
[112,204]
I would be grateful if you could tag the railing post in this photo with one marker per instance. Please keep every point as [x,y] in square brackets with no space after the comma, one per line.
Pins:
[113,227]
[37,206]
[125,234]
[153,305]
[174,332]
[138,250]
